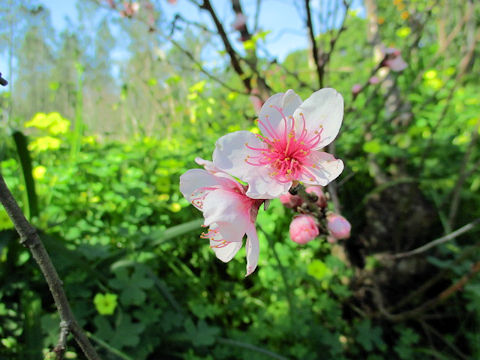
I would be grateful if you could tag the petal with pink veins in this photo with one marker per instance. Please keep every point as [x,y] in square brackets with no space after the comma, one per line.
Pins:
[321,113]
[225,252]
[231,153]
[271,118]
[261,185]
[324,169]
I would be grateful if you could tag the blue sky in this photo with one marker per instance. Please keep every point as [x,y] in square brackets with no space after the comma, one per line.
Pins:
[281,17]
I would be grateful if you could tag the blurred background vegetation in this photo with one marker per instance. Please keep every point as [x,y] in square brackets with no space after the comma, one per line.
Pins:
[101,117]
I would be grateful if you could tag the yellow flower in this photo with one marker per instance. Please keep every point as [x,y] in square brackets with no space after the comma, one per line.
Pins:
[45,143]
[38,172]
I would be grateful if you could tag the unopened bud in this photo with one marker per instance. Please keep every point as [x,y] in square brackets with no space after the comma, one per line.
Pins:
[239,22]
[338,226]
[356,89]
[303,229]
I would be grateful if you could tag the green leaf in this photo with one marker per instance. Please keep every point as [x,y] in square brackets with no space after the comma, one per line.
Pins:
[372,147]
[105,303]
[26,162]
[202,334]
[132,285]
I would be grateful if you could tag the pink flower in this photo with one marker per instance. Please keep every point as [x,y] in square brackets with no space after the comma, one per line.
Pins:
[303,229]
[228,213]
[289,148]
[356,89]
[374,80]
[338,226]
[393,59]
[291,201]
[321,198]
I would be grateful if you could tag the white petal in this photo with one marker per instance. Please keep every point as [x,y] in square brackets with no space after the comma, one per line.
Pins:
[272,123]
[253,250]
[322,111]
[227,252]
[193,182]
[326,169]
[230,153]
[208,165]
[230,210]
[263,186]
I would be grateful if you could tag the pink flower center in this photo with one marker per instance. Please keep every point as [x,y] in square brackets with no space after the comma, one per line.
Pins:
[287,153]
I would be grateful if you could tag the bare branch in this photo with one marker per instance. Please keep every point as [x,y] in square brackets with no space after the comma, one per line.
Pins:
[315,50]
[438,241]
[30,239]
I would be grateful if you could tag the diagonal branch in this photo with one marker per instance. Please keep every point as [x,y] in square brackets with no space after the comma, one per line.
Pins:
[30,239]
[228,46]
[438,241]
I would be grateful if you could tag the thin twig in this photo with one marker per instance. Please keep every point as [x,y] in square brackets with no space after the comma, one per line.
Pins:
[311,34]
[438,241]
[30,239]
[61,347]
[250,347]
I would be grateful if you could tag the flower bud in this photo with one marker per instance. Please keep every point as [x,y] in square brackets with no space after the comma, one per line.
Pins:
[303,229]
[374,80]
[338,226]
[239,22]
[393,59]
[321,198]
[356,89]
[291,201]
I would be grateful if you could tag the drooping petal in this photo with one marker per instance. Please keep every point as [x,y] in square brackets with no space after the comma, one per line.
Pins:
[271,117]
[253,249]
[321,113]
[225,252]
[324,169]
[230,210]
[194,182]
[231,153]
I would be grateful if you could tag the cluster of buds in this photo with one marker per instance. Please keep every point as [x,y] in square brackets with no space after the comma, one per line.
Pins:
[313,218]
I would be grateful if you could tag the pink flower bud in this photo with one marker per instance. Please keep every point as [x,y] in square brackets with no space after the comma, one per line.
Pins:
[239,22]
[303,229]
[374,80]
[338,226]
[291,201]
[393,59]
[356,89]
[321,198]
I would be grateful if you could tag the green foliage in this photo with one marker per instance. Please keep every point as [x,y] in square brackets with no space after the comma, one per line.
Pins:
[107,154]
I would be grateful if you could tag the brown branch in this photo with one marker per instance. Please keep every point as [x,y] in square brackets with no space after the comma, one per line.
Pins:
[30,239]
[228,46]
[315,50]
